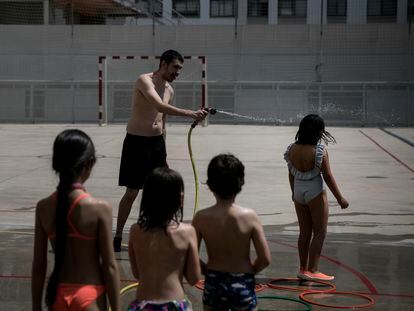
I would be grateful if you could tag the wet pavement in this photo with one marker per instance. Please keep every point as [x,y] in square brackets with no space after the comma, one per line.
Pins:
[369,247]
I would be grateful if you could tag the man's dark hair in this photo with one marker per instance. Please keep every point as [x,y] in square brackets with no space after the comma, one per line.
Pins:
[225,176]
[169,55]
[161,201]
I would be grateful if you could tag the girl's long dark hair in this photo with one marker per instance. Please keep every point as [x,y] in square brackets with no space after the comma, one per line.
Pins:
[312,131]
[73,150]
[162,199]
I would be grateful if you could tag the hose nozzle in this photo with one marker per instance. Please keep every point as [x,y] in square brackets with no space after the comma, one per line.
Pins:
[211,110]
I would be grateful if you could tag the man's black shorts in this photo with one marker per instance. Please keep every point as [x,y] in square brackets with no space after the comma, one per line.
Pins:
[140,155]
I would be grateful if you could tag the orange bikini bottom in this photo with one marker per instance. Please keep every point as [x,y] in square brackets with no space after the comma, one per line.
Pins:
[76,297]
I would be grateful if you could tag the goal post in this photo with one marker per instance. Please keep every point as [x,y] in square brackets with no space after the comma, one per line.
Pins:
[199,77]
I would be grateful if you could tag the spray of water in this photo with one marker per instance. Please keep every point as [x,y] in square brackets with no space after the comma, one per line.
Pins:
[329,108]
[270,120]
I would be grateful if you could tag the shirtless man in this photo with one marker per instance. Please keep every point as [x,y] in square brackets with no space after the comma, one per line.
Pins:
[144,144]
[227,230]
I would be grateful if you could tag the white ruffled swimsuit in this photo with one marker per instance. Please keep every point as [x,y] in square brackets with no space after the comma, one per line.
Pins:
[308,185]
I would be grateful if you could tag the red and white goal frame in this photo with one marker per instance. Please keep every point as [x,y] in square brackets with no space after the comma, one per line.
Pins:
[102,81]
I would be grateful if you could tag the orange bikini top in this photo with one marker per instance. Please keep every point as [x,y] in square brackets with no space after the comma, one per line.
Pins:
[73,232]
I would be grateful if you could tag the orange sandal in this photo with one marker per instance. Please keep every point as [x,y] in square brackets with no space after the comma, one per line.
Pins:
[317,276]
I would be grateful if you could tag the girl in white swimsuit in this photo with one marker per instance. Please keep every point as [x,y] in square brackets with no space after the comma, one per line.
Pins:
[308,165]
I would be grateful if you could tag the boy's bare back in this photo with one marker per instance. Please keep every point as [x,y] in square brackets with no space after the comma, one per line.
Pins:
[228,232]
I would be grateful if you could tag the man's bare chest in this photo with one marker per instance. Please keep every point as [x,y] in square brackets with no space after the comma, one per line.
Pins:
[161,90]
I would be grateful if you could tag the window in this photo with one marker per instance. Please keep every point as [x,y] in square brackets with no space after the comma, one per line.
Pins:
[292,8]
[222,8]
[382,8]
[336,8]
[186,8]
[21,13]
[257,8]
[336,11]
[381,11]
[149,7]
[410,10]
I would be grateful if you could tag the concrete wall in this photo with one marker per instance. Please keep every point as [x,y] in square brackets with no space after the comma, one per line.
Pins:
[371,52]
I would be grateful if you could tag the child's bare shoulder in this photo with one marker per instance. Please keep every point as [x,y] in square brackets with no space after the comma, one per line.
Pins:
[185,227]
[99,206]
[46,206]
[185,231]
[245,211]
[45,202]
[206,212]
[134,230]
[247,216]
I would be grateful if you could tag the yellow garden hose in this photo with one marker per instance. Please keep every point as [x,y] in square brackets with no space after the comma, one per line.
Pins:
[124,290]
[127,288]
[190,151]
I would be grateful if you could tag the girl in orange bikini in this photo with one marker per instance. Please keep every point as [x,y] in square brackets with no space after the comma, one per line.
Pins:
[79,228]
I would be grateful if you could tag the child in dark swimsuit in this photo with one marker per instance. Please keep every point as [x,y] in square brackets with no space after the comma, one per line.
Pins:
[308,165]
[79,228]
[162,249]
[227,230]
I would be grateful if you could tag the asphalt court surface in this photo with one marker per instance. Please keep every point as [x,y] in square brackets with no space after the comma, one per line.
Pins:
[369,247]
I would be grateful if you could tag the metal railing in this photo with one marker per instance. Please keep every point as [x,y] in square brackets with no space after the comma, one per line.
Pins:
[360,103]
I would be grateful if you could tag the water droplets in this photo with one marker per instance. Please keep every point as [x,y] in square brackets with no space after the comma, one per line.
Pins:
[270,120]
